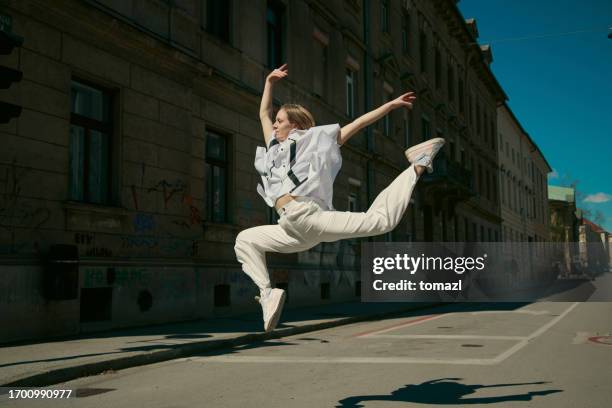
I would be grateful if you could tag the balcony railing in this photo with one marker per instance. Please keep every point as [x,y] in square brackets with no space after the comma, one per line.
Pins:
[450,174]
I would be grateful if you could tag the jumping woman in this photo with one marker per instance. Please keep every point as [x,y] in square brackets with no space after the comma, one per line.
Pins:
[298,167]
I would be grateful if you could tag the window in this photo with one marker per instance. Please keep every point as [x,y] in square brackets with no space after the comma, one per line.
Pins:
[470,110]
[350,93]
[503,190]
[216,176]
[494,188]
[320,64]
[510,194]
[473,169]
[488,185]
[387,123]
[354,204]
[423,51]
[91,131]
[272,216]
[478,122]
[438,69]
[444,232]
[473,111]
[425,129]
[405,33]
[413,226]
[407,122]
[218,18]
[451,83]
[384,16]
[484,128]
[275,21]
[461,96]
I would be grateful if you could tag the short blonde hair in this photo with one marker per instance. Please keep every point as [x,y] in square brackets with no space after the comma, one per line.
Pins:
[298,115]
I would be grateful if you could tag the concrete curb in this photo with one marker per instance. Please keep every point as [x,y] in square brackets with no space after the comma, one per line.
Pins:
[59,375]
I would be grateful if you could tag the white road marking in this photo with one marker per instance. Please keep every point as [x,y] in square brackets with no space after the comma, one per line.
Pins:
[447,336]
[533,335]
[519,311]
[352,360]
[522,342]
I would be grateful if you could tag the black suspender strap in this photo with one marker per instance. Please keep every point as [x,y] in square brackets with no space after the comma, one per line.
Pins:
[298,184]
[272,143]
[293,177]
[292,149]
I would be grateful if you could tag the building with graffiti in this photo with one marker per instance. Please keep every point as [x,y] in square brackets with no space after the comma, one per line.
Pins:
[127,163]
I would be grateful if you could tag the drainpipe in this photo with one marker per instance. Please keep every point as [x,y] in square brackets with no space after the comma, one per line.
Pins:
[368,98]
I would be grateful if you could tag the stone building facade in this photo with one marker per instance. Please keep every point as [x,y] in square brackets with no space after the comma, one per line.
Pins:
[136,143]
[523,183]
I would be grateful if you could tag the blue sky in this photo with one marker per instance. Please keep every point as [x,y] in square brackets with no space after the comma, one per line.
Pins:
[559,87]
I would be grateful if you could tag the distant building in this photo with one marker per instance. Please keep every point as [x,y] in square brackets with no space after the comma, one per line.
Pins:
[564,224]
[594,247]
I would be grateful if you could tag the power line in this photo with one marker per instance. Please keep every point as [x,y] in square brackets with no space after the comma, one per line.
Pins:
[540,36]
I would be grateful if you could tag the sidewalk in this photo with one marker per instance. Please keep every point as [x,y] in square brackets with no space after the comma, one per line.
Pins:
[52,362]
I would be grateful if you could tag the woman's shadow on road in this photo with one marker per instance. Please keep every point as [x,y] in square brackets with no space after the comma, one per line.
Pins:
[445,391]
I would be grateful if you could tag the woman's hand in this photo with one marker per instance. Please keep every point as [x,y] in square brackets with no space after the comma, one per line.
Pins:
[278,74]
[404,100]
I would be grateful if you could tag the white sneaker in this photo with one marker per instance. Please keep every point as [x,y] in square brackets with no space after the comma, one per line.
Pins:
[272,306]
[423,154]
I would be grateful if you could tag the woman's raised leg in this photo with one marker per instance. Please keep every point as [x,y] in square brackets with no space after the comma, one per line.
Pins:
[383,215]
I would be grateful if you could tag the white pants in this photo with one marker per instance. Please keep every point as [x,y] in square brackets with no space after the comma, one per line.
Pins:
[303,224]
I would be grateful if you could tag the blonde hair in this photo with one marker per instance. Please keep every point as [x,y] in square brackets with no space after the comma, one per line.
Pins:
[298,115]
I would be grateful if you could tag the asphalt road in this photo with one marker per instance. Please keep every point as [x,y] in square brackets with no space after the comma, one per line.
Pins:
[508,355]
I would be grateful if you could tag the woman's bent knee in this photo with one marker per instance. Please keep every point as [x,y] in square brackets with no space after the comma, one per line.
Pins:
[244,240]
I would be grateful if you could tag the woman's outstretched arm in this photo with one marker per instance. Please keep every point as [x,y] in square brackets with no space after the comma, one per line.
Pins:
[355,126]
[265,108]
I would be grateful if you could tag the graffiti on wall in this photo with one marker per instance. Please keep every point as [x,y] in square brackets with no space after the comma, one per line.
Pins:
[86,241]
[168,283]
[20,219]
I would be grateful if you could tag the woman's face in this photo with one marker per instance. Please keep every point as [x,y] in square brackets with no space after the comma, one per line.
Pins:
[282,126]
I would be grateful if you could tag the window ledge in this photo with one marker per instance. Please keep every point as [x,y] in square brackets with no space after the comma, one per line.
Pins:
[98,208]
[223,225]
[95,218]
